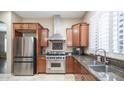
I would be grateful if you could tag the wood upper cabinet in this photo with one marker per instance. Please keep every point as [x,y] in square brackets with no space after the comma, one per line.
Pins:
[32,26]
[80,33]
[69,65]
[18,34]
[44,37]
[84,32]
[41,65]
[76,35]
[25,26]
[69,37]
[21,26]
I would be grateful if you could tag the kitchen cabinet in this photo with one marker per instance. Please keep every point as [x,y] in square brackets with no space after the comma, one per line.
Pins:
[84,31]
[69,65]
[79,35]
[18,34]
[77,70]
[32,26]
[21,26]
[69,33]
[25,26]
[81,73]
[44,37]
[42,65]
[76,35]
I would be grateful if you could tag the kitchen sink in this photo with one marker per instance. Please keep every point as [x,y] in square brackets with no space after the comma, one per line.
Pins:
[101,68]
[92,63]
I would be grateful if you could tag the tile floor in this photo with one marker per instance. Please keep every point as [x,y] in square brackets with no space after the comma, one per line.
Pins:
[40,77]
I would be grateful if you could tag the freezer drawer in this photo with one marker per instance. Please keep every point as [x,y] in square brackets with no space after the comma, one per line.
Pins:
[23,68]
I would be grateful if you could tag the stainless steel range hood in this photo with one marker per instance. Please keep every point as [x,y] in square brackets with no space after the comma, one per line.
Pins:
[57,35]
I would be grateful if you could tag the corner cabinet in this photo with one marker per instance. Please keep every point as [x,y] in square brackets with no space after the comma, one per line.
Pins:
[69,33]
[44,37]
[84,32]
[81,73]
[78,35]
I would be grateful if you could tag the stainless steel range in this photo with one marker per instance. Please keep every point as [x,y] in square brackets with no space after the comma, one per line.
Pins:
[55,62]
[55,58]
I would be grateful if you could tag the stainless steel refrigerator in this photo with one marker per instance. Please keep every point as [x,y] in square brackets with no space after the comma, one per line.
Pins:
[24,55]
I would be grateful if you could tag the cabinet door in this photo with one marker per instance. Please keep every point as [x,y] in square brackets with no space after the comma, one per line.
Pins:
[77,71]
[17,26]
[76,35]
[21,26]
[24,26]
[69,37]
[84,34]
[84,70]
[32,26]
[41,65]
[69,65]
[44,37]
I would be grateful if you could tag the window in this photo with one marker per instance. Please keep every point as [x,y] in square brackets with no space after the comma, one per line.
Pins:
[103,29]
[118,32]
[93,34]
[99,31]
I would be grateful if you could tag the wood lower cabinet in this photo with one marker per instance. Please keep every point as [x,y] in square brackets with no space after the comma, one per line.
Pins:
[41,65]
[77,70]
[81,73]
[69,65]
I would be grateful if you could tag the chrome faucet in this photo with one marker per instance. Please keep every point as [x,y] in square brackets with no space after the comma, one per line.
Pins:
[99,57]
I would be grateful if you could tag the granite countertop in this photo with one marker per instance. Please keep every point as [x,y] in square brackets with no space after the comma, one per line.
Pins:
[111,73]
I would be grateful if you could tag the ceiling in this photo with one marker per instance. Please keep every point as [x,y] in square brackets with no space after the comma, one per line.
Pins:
[49,14]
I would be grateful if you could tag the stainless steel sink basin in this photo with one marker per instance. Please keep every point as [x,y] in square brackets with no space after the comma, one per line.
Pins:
[92,63]
[100,68]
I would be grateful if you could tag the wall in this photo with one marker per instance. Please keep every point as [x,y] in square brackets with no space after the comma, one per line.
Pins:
[8,18]
[14,18]
[86,18]
[48,23]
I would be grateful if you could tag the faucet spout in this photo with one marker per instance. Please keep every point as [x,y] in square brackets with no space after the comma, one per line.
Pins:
[105,60]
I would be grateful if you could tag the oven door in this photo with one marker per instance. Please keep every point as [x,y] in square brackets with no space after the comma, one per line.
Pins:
[55,67]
